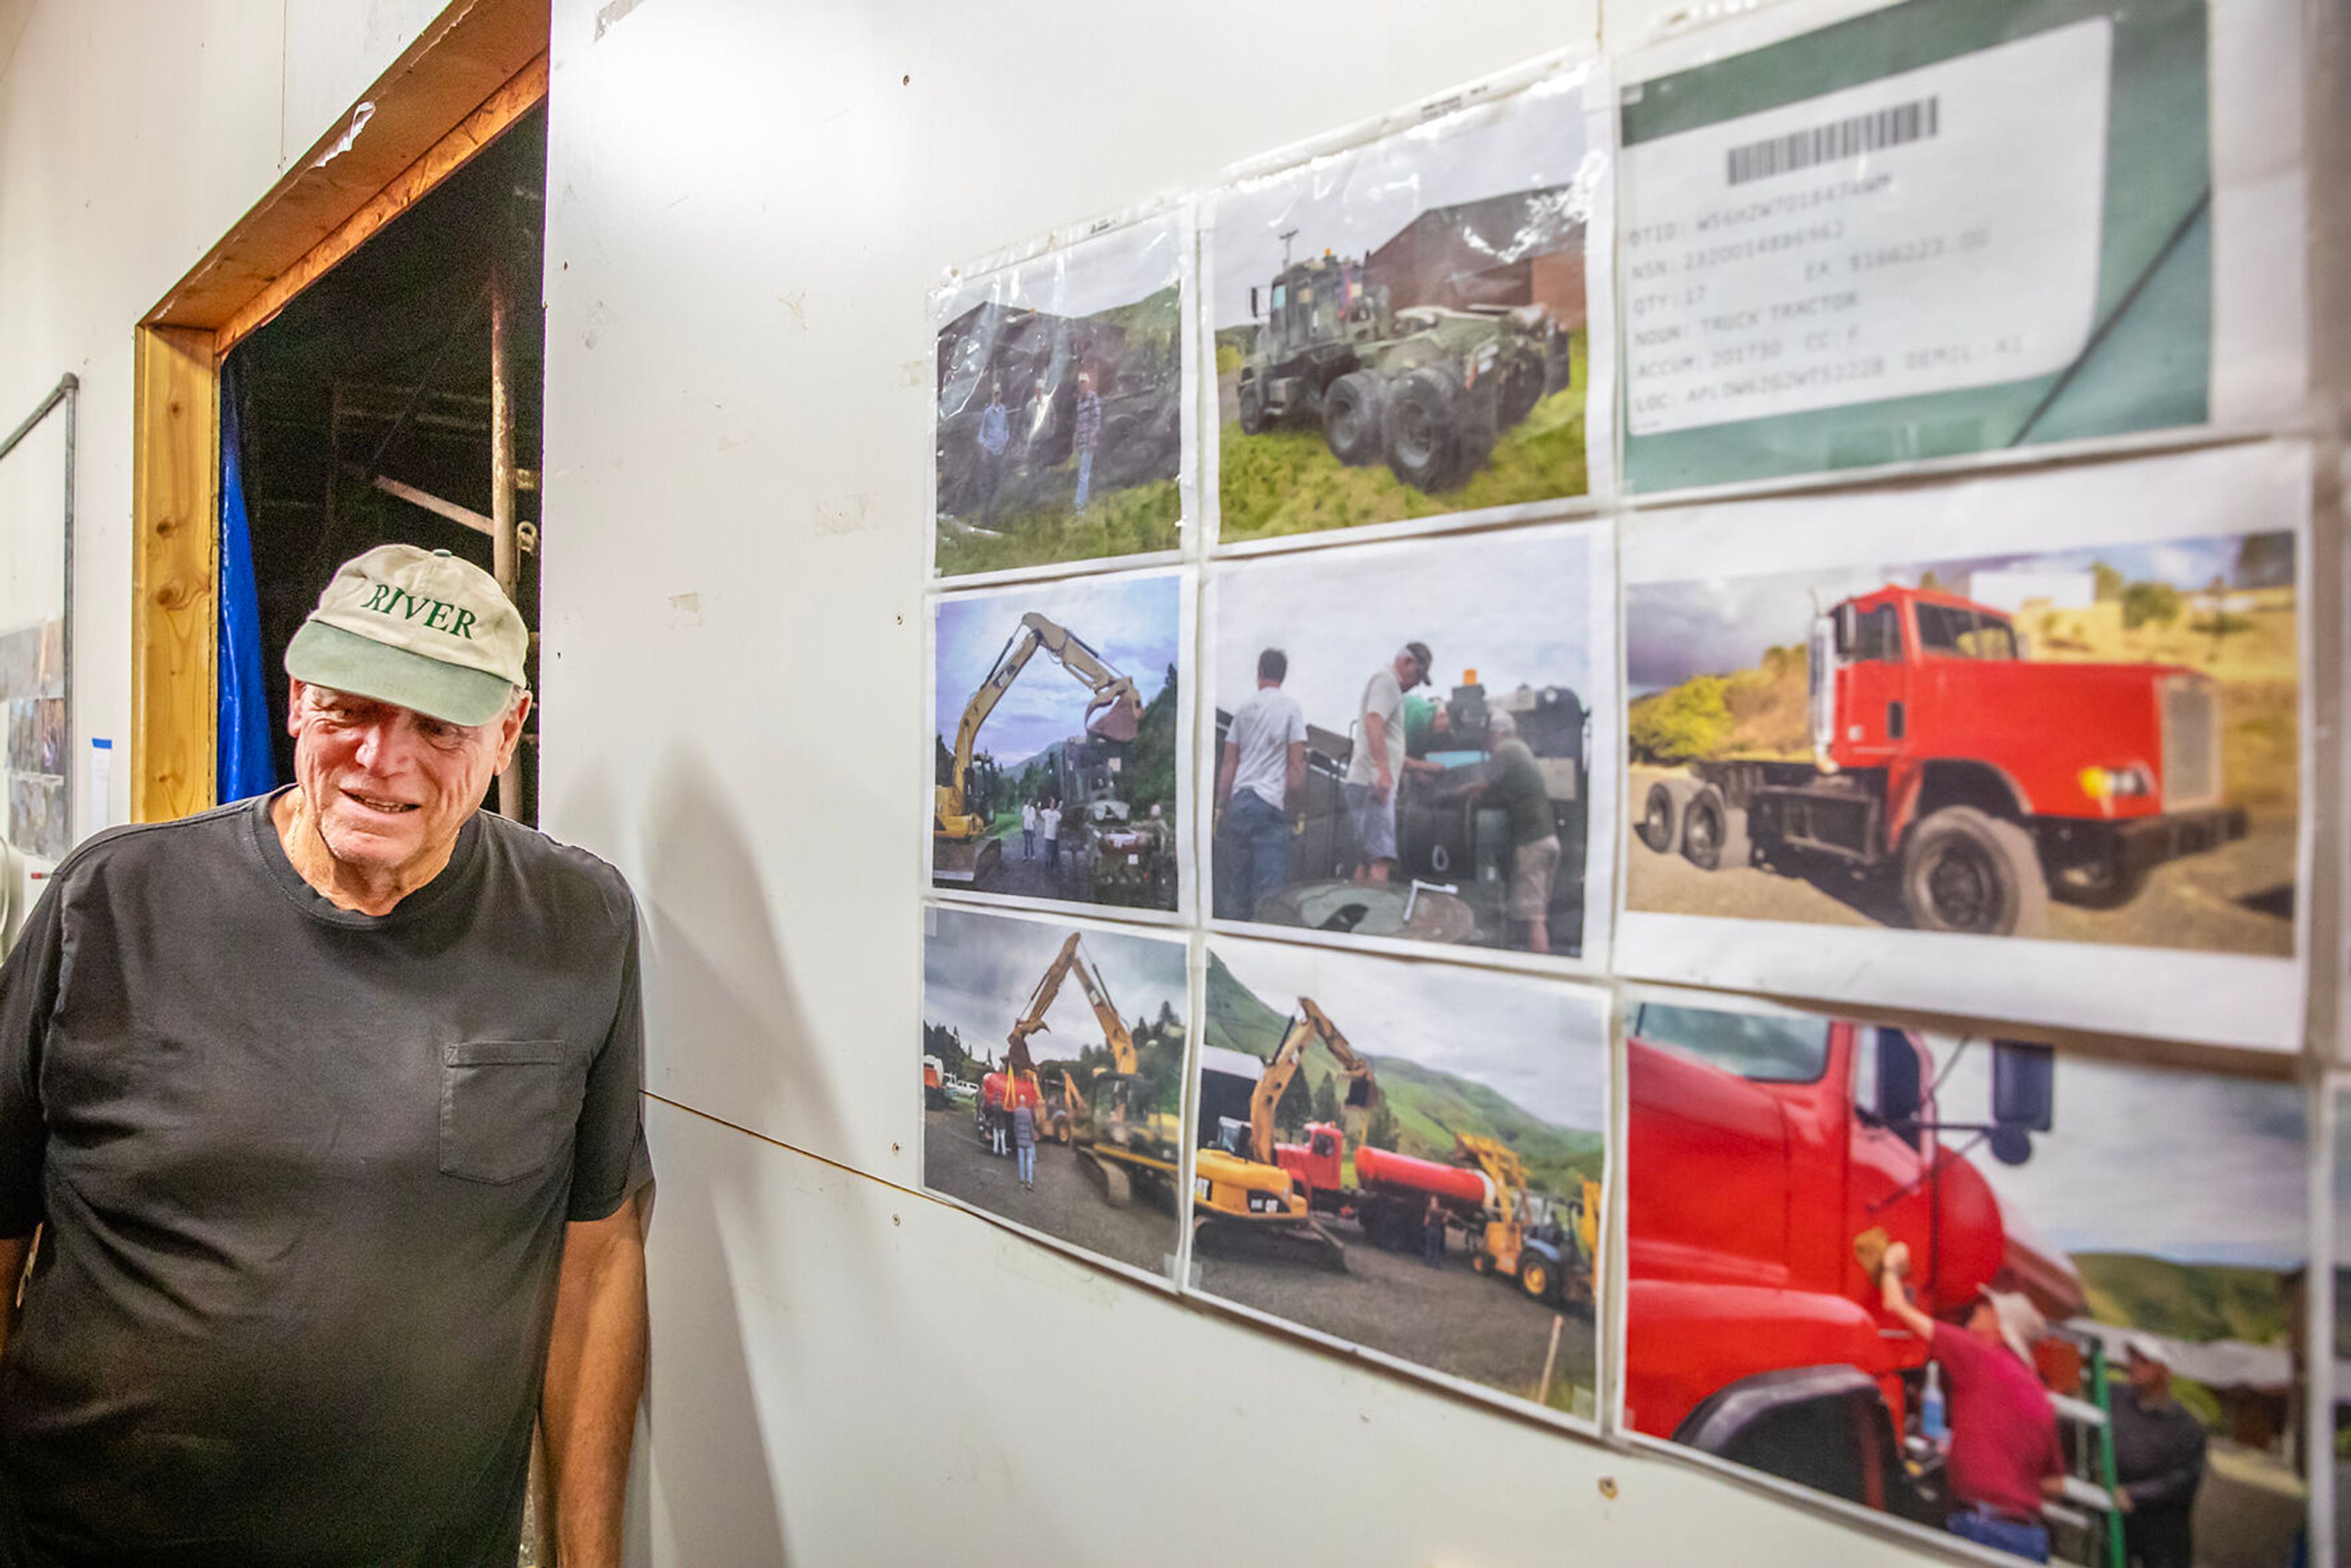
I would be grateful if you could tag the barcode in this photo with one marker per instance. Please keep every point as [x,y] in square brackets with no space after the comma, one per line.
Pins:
[1826,144]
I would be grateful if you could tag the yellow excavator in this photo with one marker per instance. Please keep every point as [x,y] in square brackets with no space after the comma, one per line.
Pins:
[1242,1181]
[1117,1136]
[962,852]
[1550,1255]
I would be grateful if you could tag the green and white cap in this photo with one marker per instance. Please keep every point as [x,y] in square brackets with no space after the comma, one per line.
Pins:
[415,627]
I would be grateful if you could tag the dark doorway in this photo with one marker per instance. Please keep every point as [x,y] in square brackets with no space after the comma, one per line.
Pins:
[363,411]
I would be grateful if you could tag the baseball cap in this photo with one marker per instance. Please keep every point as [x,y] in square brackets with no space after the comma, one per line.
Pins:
[2021,1322]
[1427,661]
[2145,1347]
[415,627]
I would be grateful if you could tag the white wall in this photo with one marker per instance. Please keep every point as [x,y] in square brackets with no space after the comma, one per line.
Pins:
[746,203]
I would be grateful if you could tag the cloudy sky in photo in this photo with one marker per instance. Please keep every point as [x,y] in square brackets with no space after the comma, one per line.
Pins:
[1515,608]
[1354,202]
[1082,279]
[2191,1167]
[1712,626]
[979,971]
[1135,623]
[1543,1047]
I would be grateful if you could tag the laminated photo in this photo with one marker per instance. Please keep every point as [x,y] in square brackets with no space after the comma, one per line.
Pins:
[1405,741]
[1403,328]
[1060,429]
[1948,227]
[1408,1159]
[1067,785]
[2036,1300]
[1054,1079]
[1977,726]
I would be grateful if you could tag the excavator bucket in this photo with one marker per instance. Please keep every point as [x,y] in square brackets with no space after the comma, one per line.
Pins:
[965,862]
[1119,721]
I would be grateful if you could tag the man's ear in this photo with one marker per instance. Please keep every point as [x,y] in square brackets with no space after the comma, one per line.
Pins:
[511,729]
[294,691]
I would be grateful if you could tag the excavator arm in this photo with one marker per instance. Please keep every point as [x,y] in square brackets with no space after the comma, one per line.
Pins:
[1032,1021]
[1114,711]
[1310,1025]
[1115,1034]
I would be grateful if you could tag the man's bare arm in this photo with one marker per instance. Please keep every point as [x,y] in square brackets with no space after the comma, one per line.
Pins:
[1294,773]
[1376,736]
[1229,767]
[1890,1275]
[595,1371]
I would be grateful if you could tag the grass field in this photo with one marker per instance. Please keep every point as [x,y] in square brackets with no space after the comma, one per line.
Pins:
[1134,521]
[1285,481]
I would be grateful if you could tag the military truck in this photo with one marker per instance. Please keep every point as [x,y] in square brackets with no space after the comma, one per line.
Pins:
[1424,387]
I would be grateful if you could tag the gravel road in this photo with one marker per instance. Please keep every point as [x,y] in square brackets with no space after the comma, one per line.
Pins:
[1067,1204]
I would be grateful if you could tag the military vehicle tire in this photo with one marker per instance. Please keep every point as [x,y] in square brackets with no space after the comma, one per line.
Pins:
[1714,835]
[1422,424]
[1965,870]
[1661,815]
[1522,388]
[1350,418]
[1251,398]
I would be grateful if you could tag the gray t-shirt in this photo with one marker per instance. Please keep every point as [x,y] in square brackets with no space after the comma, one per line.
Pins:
[304,1174]
[1382,695]
[1261,735]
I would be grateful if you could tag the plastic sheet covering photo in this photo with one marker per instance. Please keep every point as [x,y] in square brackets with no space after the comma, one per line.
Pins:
[2014,1295]
[1409,1160]
[2028,747]
[1948,227]
[1062,433]
[1414,323]
[1061,744]
[1054,1081]
[1413,744]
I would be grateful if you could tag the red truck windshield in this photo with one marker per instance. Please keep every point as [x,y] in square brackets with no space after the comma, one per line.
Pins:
[1946,632]
[1760,1048]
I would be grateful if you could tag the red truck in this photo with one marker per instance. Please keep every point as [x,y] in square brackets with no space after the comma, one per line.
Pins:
[1761,1147]
[1988,781]
[1391,1195]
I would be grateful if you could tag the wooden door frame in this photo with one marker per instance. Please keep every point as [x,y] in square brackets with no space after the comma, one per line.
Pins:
[479,67]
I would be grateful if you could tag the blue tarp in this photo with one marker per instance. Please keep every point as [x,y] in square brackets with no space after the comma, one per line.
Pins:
[246,766]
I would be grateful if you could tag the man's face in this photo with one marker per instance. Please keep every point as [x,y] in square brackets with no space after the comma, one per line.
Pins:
[1408,672]
[390,787]
[1984,1323]
[2150,1379]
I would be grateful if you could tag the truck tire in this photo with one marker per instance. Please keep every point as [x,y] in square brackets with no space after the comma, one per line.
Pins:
[1522,388]
[1714,833]
[1422,424]
[1534,1277]
[1350,418]
[1965,870]
[1251,398]
[1661,815]
[2098,887]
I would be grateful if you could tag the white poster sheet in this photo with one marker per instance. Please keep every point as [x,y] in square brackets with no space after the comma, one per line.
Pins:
[1505,747]
[1410,1161]
[2026,746]
[1409,325]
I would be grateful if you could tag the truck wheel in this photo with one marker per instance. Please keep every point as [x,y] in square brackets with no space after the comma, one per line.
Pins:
[1350,419]
[1661,818]
[1424,437]
[1252,401]
[1965,870]
[1522,388]
[1534,1277]
[1713,834]
[2098,886]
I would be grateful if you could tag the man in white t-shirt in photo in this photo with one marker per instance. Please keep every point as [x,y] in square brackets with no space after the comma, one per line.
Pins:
[1378,764]
[1028,829]
[1049,823]
[1262,767]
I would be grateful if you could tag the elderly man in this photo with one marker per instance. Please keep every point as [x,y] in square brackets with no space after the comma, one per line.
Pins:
[2158,1460]
[1379,760]
[326,1105]
[2004,1456]
[1514,785]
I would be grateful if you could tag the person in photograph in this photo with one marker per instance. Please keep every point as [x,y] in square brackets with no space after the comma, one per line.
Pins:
[1263,764]
[2158,1461]
[995,435]
[1378,761]
[1514,785]
[2004,1455]
[1024,1140]
[1086,432]
[1049,823]
[1029,830]
[1432,1233]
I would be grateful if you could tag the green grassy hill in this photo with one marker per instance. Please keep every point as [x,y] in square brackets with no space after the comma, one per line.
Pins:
[1428,1106]
[2196,1302]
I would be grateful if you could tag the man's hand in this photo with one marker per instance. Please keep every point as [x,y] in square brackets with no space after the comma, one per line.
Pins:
[1381,787]
[595,1371]
[2123,1503]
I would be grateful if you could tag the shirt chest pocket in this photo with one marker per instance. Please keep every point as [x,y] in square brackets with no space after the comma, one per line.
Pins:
[507,1107]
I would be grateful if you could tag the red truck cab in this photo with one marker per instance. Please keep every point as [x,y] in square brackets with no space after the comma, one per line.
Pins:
[1762,1147]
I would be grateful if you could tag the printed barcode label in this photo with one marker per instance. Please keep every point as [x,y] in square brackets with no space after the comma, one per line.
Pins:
[1827,143]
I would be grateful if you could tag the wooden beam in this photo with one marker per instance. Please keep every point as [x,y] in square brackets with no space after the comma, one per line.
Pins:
[479,65]
[174,572]
[463,516]
[520,94]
